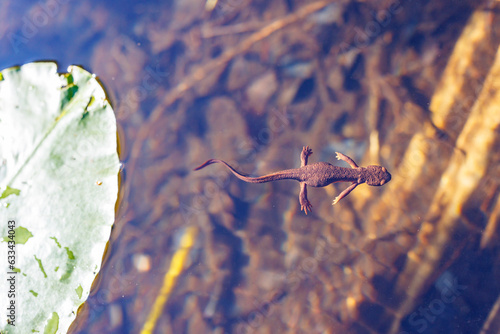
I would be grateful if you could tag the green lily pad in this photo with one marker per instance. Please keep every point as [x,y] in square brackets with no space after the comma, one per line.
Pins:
[59,184]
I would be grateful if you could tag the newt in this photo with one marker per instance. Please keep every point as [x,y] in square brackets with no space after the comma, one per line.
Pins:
[318,174]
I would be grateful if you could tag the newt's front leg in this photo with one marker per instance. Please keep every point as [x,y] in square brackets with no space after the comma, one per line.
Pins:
[304,202]
[345,193]
[351,162]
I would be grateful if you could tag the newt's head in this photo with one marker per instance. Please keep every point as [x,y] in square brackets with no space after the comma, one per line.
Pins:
[377,175]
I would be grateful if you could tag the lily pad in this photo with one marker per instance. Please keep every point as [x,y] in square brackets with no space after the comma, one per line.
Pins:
[59,184]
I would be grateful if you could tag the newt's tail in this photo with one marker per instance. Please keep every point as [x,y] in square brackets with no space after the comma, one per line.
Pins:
[286,174]
[235,172]
[212,161]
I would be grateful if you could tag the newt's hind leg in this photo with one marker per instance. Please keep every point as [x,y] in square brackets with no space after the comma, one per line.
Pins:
[306,152]
[304,202]
[351,162]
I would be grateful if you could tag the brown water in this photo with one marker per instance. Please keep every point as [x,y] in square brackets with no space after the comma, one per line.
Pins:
[404,84]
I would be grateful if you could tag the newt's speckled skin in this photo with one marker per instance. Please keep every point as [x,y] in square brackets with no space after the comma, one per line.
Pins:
[319,174]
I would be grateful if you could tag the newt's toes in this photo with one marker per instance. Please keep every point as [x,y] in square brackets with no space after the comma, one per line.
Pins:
[306,207]
[307,150]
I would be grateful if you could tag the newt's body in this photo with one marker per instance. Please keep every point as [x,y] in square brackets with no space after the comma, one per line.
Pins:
[319,174]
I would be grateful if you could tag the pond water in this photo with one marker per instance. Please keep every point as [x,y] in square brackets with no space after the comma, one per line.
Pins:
[408,85]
